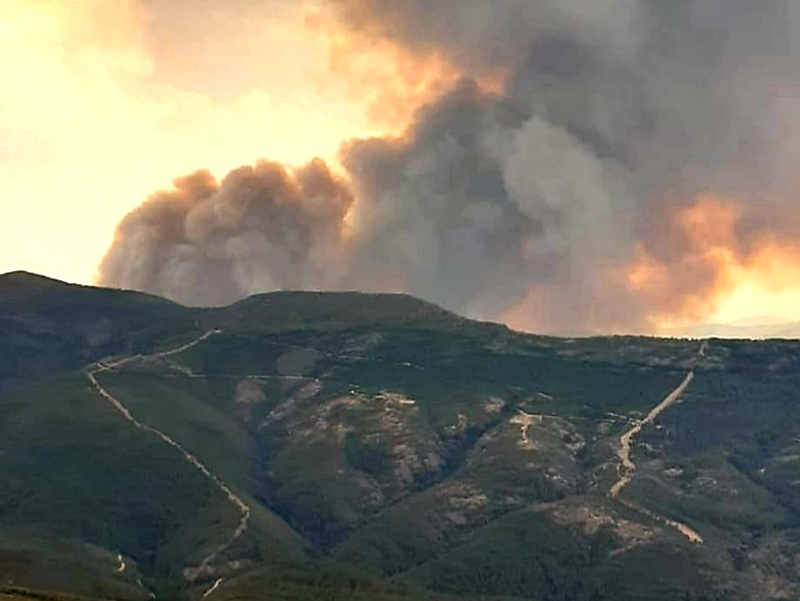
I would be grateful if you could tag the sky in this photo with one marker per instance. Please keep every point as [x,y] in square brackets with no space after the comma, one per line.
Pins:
[574,167]
[105,101]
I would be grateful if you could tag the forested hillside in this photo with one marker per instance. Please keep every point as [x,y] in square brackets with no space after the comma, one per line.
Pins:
[349,446]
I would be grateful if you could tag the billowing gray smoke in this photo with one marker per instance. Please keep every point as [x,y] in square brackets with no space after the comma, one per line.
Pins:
[614,113]
[261,228]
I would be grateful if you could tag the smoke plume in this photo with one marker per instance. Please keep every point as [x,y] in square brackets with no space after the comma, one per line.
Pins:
[261,228]
[574,200]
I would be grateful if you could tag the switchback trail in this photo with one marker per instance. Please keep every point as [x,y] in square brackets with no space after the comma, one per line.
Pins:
[241,506]
[626,467]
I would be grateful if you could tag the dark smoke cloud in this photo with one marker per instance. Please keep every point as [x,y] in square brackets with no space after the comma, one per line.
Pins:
[615,114]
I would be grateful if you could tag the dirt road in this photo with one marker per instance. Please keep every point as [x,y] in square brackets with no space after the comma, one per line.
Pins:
[626,467]
[624,451]
[214,587]
[241,506]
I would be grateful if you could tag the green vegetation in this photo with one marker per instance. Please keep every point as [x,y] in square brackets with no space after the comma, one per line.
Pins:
[22,594]
[328,584]
[387,450]
[72,468]
[524,552]
[364,456]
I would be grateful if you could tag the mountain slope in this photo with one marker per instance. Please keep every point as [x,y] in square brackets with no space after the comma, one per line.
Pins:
[47,325]
[384,448]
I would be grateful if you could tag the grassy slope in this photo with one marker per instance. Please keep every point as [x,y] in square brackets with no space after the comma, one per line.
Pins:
[72,468]
[47,326]
[187,411]
[58,565]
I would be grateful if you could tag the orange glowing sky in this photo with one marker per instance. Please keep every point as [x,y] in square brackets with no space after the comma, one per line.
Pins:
[105,101]
[761,280]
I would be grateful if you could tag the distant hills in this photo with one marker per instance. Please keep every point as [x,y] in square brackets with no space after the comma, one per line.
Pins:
[750,328]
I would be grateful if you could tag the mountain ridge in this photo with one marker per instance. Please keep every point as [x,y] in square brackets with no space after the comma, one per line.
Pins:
[386,449]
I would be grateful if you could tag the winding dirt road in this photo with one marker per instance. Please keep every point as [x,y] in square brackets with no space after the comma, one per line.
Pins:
[214,587]
[241,506]
[626,467]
